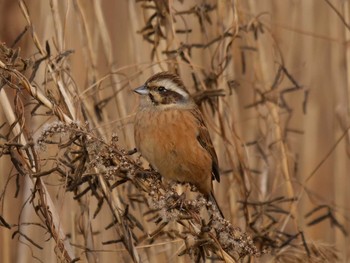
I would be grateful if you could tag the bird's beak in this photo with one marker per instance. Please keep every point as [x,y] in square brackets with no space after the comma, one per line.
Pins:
[142,90]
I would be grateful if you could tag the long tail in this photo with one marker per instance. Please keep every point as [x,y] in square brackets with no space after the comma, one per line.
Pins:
[211,198]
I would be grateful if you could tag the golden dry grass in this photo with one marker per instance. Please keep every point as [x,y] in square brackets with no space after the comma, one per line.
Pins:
[271,78]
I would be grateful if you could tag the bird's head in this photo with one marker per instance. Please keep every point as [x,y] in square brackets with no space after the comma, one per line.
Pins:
[165,90]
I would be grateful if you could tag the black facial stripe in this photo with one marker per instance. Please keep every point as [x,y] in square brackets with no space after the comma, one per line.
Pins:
[152,99]
[167,76]
[170,96]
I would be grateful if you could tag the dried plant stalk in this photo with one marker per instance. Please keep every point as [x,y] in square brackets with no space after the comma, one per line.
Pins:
[68,127]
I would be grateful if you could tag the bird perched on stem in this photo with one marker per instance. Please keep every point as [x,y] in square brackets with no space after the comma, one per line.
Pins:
[171,135]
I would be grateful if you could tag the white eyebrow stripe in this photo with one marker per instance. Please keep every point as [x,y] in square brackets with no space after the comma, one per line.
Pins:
[170,85]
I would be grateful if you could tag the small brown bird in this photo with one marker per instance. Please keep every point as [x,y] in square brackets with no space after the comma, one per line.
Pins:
[171,135]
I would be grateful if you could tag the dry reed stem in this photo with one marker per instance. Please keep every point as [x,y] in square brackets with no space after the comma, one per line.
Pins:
[50,214]
[116,205]
[110,197]
[258,160]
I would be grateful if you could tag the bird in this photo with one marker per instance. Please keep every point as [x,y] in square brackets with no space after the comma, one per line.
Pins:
[170,133]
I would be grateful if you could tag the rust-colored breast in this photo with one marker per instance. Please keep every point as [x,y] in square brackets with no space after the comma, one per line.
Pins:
[168,139]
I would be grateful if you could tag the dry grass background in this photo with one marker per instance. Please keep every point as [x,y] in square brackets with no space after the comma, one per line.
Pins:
[272,80]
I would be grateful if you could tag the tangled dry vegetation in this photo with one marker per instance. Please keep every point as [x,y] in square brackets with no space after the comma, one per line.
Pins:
[86,165]
[71,154]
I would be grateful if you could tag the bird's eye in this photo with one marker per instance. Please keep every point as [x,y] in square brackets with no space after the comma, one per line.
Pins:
[161,89]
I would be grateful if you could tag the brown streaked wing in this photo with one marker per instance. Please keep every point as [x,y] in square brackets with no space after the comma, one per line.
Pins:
[205,140]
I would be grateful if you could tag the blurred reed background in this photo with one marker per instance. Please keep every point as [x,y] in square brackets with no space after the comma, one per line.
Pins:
[271,78]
